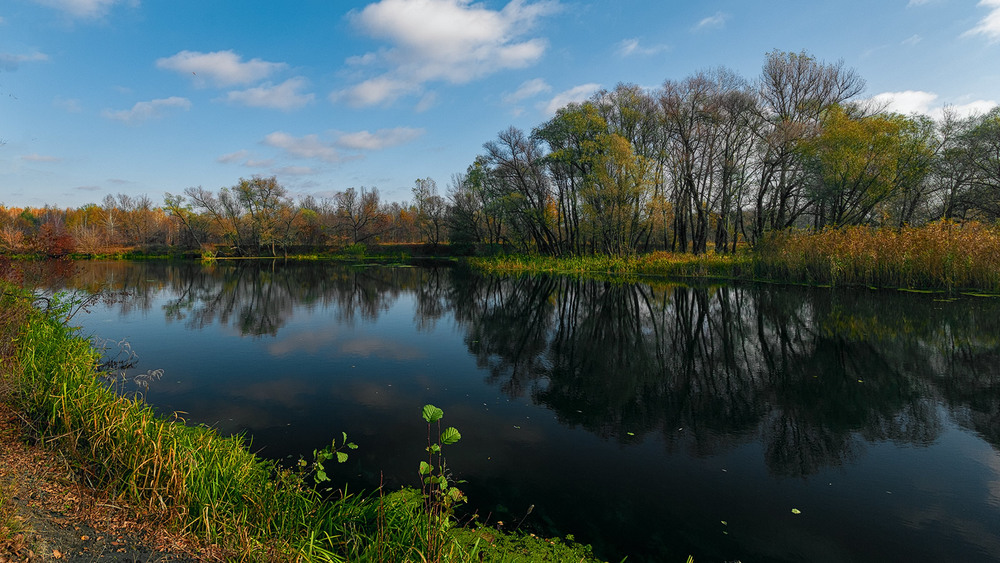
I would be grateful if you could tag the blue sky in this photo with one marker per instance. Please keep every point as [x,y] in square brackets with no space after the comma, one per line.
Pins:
[144,97]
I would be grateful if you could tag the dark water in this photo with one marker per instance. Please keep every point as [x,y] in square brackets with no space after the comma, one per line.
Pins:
[650,420]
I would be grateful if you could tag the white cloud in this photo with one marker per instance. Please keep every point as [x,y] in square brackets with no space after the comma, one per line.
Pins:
[309,146]
[297,171]
[426,102]
[221,68]
[912,40]
[989,25]
[576,94]
[285,96]
[454,41]
[10,63]
[147,110]
[82,8]
[376,91]
[40,158]
[262,163]
[716,21]
[632,46]
[527,89]
[926,103]
[381,139]
[232,157]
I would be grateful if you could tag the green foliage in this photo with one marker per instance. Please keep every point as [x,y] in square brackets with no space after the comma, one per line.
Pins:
[440,495]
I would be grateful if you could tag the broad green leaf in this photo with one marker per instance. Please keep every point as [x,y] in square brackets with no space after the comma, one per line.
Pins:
[425,468]
[321,476]
[450,435]
[432,414]
[341,457]
[796,511]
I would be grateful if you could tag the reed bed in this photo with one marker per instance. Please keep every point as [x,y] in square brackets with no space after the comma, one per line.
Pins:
[943,255]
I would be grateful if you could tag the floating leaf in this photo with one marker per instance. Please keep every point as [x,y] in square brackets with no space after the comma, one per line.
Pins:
[631,433]
[796,511]
[724,523]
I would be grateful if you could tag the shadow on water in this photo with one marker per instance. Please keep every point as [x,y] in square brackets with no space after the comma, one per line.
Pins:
[658,377]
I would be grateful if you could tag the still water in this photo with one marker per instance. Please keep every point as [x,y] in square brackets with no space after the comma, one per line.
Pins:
[650,420]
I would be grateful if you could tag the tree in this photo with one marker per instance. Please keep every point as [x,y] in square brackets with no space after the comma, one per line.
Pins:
[431,210]
[795,89]
[360,213]
[858,162]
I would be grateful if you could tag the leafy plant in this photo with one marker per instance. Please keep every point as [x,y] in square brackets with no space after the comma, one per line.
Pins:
[439,493]
[321,456]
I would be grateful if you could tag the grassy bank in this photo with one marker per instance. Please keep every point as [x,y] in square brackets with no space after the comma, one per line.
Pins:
[711,266]
[942,256]
[210,485]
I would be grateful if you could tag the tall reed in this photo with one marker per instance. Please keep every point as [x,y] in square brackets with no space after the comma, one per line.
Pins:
[942,256]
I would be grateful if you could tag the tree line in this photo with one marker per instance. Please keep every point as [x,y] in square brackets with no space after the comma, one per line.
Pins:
[719,159]
[715,160]
[254,217]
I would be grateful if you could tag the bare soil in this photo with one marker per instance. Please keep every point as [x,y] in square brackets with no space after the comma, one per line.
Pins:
[46,514]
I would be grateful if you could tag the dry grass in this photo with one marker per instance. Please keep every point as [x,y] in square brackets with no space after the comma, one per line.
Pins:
[942,255]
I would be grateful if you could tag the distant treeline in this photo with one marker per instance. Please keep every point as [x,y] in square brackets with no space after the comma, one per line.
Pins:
[712,161]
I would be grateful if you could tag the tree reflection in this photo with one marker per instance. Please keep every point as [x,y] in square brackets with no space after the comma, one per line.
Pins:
[812,373]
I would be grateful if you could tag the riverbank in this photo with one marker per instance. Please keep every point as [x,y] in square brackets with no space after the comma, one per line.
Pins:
[942,256]
[196,484]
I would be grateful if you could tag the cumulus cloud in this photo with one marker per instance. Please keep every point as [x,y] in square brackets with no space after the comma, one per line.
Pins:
[716,21]
[576,94]
[297,171]
[990,24]
[452,41]
[40,158]
[629,47]
[375,91]
[143,111]
[232,157]
[285,96]
[10,62]
[926,103]
[87,9]
[527,89]
[220,68]
[381,139]
[312,147]
[309,147]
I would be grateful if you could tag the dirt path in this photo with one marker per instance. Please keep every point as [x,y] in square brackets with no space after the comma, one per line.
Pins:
[47,516]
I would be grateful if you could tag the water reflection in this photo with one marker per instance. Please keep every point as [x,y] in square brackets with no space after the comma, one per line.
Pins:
[812,373]
[688,404]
